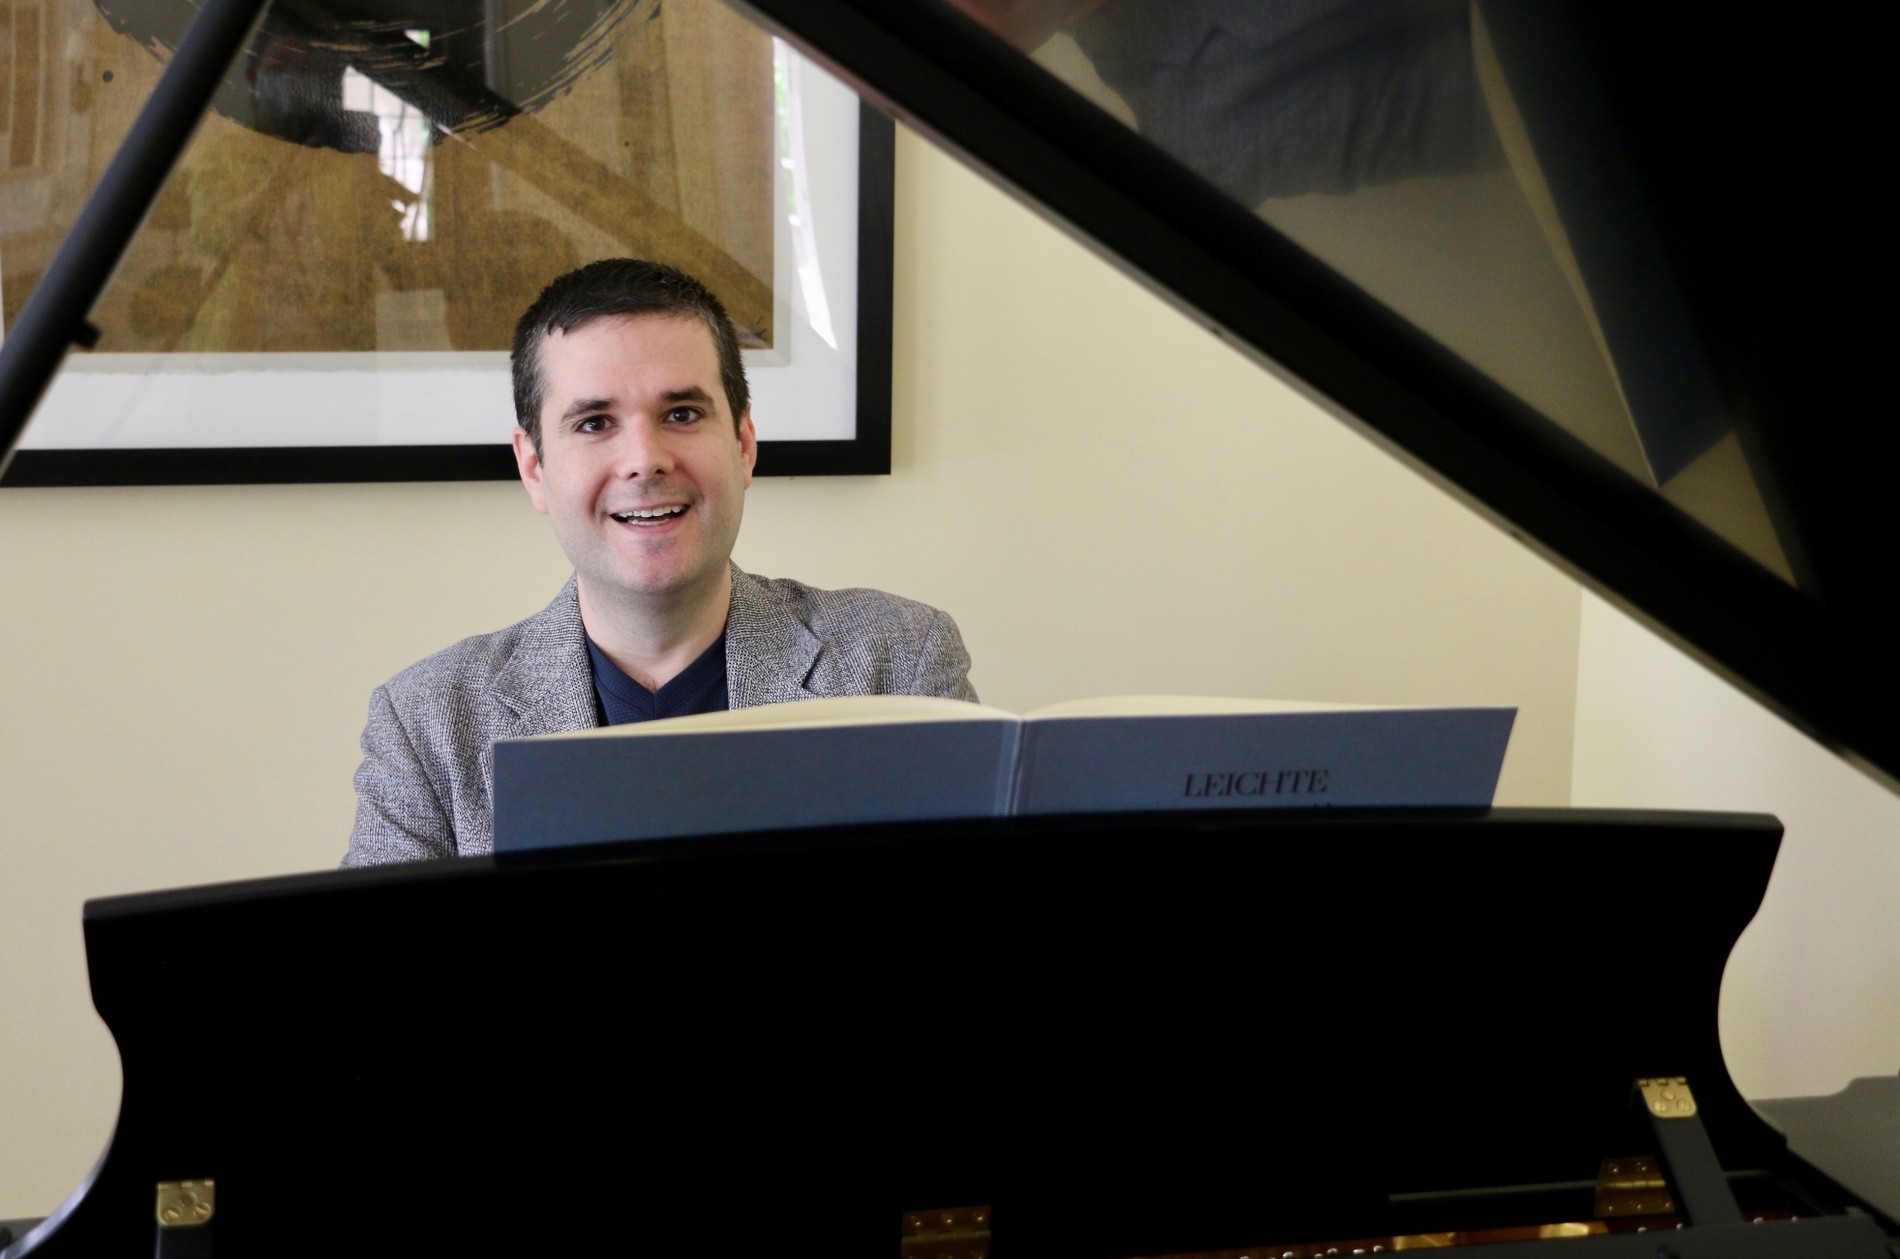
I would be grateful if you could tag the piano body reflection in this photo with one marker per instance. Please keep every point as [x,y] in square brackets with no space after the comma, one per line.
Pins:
[1116,1036]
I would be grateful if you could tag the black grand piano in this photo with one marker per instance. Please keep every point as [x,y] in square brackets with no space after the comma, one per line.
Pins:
[1118,1036]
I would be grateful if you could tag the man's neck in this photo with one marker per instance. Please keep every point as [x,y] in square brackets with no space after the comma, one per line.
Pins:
[652,638]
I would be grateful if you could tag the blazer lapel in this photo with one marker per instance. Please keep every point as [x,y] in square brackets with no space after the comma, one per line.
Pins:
[769,651]
[547,686]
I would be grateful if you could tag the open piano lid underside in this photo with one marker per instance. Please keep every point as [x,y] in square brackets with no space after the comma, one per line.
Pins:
[1730,488]
[1080,1022]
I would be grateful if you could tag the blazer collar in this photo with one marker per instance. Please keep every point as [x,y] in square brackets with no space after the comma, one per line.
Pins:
[769,651]
[547,685]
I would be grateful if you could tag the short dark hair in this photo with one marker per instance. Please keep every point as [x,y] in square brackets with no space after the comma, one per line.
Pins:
[618,287]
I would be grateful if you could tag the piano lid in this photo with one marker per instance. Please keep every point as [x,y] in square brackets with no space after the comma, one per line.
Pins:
[1548,251]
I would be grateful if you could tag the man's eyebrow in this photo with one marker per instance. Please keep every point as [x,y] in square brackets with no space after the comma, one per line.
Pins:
[692,393]
[584,406]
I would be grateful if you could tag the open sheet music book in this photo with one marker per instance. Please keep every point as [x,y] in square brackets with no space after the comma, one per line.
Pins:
[892,758]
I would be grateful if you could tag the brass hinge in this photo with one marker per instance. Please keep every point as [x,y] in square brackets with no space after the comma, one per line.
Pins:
[1668,1097]
[952,1233]
[186,1203]
[1632,1186]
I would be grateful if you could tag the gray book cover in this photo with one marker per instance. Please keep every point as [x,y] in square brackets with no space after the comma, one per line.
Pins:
[1442,757]
[894,759]
[560,790]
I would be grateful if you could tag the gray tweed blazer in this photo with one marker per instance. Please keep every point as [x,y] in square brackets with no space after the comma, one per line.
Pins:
[423,789]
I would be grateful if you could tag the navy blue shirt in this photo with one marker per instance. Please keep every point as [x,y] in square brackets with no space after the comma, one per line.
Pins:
[699,688]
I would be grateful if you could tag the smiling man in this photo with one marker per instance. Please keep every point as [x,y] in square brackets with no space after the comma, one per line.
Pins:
[635,438]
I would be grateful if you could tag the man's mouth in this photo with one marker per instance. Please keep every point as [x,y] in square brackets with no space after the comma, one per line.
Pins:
[647,517]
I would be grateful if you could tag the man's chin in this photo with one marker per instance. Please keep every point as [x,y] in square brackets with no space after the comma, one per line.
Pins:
[655,582]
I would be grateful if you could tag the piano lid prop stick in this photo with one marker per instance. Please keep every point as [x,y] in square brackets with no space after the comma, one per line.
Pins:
[1702,1190]
[185,1213]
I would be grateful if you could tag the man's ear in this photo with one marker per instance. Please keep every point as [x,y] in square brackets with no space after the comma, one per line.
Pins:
[748,443]
[528,463]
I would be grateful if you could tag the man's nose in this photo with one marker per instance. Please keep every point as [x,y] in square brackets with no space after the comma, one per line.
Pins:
[642,451]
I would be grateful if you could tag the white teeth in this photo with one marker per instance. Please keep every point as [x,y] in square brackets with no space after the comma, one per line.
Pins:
[658,513]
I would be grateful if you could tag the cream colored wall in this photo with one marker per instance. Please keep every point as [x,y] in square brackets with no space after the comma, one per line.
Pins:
[1811,997]
[1107,498]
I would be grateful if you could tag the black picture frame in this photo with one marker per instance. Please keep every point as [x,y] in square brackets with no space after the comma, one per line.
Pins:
[867,453]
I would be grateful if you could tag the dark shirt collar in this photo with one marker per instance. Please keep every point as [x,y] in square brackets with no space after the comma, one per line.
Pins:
[698,688]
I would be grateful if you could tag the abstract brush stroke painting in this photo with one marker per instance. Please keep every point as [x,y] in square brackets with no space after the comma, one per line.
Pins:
[400,175]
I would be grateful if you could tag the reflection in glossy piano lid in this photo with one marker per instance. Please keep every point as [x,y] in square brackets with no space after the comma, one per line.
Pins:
[1550,252]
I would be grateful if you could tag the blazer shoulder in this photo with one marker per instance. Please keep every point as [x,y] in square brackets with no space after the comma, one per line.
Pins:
[853,608]
[867,642]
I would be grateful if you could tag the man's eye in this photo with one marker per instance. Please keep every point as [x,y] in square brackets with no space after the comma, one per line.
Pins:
[682,415]
[592,424]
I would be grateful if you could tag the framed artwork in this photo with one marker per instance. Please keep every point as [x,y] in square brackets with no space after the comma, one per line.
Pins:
[327,287]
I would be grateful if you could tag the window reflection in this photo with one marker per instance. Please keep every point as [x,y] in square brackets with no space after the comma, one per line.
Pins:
[402,149]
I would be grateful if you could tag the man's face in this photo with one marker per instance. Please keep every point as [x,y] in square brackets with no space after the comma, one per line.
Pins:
[640,469]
